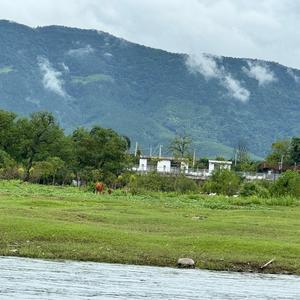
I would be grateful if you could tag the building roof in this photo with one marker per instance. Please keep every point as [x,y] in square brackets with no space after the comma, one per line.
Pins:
[163,158]
[221,162]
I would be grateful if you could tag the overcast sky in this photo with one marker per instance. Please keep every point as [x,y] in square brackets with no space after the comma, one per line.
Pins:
[266,29]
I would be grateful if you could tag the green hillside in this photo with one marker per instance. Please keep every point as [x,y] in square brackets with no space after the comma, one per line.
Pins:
[86,77]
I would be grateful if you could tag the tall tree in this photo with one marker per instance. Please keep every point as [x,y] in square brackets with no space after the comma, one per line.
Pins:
[295,149]
[7,131]
[100,149]
[280,152]
[180,146]
[39,137]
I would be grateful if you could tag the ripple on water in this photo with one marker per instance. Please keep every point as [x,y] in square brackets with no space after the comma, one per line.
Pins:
[23,278]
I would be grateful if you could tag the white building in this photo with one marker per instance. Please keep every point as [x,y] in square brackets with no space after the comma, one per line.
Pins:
[218,164]
[163,164]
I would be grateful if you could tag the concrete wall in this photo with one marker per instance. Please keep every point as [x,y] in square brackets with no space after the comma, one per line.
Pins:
[164,166]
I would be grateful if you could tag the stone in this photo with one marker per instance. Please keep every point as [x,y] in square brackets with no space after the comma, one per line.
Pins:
[185,263]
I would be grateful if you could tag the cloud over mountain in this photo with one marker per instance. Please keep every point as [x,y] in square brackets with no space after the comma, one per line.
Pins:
[51,78]
[207,66]
[259,72]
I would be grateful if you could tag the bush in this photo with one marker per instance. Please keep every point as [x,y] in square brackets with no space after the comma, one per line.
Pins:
[8,166]
[222,182]
[288,184]
[254,188]
[185,185]
[154,182]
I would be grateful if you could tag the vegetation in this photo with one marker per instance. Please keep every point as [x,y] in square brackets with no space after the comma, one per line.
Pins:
[223,182]
[36,149]
[238,234]
[285,153]
[125,86]
[154,182]
[92,78]
[180,146]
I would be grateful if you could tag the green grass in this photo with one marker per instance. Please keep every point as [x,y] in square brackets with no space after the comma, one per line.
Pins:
[6,70]
[219,233]
[92,78]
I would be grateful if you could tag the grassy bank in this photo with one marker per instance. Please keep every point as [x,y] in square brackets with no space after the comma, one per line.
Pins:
[218,233]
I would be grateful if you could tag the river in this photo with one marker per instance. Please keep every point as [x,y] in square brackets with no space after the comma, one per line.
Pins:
[23,278]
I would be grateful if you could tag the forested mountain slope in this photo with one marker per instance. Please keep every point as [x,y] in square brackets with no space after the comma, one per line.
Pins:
[86,77]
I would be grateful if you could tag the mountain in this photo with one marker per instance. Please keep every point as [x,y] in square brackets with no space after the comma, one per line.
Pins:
[88,77]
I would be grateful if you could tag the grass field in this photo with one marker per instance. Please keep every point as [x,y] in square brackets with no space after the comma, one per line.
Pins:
[156,229]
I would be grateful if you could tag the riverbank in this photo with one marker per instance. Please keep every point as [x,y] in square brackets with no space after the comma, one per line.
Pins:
[219,233]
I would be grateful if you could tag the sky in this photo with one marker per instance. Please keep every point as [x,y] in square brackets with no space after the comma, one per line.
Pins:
[263,29]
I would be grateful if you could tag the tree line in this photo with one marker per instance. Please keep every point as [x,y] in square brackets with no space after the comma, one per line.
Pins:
[36,148]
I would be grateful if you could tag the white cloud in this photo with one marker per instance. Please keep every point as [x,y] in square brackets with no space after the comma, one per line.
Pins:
[259,72]
[107,54]
[235,89]
[65,67]
[51,78]
[204,64]
[88,49]
[293,75]
[207,66]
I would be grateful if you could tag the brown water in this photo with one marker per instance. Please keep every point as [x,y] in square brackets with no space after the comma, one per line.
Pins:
[22,278]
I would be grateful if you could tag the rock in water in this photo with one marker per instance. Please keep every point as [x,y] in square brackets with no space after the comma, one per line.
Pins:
[185,263]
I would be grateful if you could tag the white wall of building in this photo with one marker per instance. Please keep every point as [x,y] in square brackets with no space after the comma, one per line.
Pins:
[215,164]
[164,166]
[143,164]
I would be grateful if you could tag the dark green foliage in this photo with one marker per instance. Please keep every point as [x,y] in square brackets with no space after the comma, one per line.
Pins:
[41,152]
[287,185]
[154,182]
[146,94]
[101,149]
[295,149]
[39,138]
[222,182]
[254,188]
[281,151]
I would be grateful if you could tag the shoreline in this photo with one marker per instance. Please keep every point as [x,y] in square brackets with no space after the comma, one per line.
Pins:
[245,268]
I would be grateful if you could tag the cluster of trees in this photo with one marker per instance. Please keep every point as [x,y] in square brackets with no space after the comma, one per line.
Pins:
[226,182]
[36,148]
[285,152]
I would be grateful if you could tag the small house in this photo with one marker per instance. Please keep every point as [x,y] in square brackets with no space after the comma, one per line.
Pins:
[163,164]
[219,165]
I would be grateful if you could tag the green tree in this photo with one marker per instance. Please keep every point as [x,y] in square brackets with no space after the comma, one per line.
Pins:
[295,149]
[39,138]
[280,152]
[101,149]
[56,165]
[223,182]
[287,184]
[180,146]
[7,132]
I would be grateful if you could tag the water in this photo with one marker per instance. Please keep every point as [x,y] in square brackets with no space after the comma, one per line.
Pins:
[22,278]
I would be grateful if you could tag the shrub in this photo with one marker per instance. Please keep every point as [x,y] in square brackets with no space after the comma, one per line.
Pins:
[222,182]
[288,184]
[184,185]
[254,188]
[155,182]
[8,166]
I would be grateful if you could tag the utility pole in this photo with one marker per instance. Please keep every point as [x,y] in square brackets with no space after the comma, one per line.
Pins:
[281,163]
[136,148]
[194,158]
[150,151]
[160,146]
[235,158]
